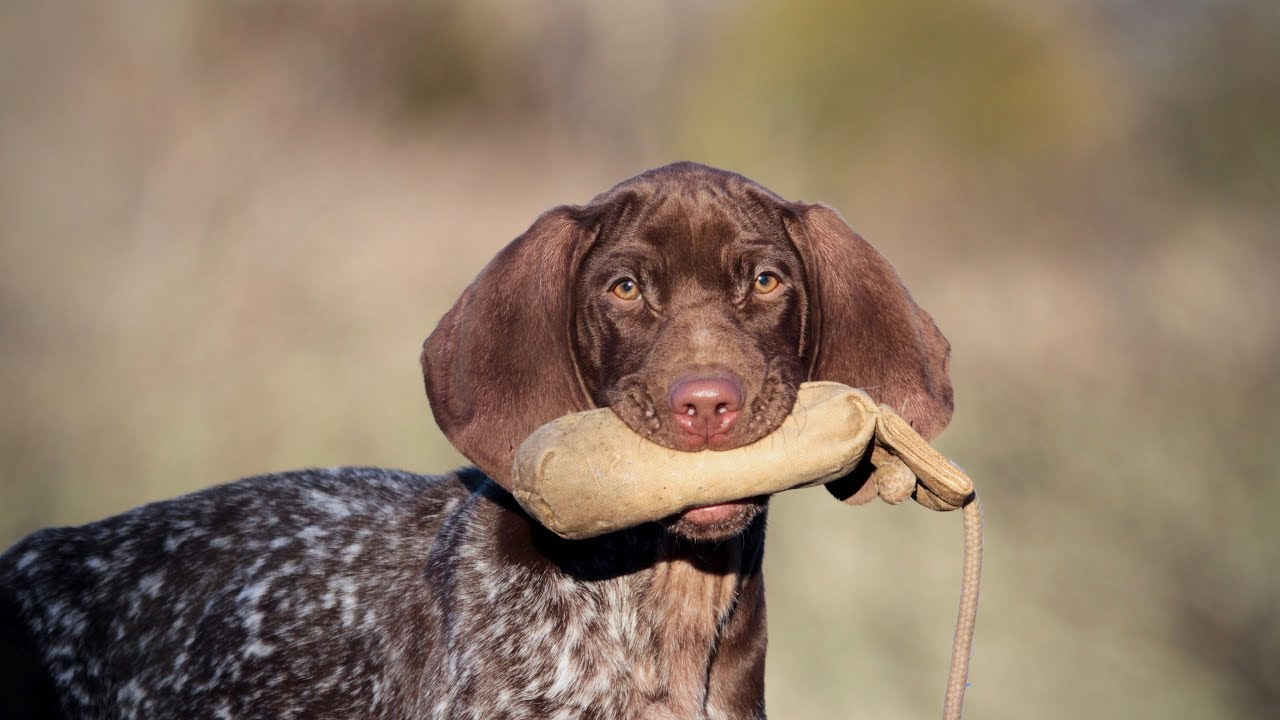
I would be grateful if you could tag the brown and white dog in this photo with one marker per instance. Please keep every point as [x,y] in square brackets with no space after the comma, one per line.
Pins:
[689,300]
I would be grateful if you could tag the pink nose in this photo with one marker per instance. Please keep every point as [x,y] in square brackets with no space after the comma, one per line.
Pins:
[706,406]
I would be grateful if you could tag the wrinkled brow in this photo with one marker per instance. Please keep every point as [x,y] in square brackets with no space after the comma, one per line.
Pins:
[760,249]
[628,255]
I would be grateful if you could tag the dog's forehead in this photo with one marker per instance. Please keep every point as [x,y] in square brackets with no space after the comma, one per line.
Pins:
[689,221]
[704,226]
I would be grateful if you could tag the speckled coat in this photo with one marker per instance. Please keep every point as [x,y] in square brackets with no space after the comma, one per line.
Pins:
[362,592]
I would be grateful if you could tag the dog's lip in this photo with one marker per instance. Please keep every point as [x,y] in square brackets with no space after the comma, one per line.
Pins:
[715,513]
[686,442]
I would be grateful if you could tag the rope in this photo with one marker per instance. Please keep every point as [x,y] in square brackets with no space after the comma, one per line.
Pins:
[935,483]
[962,646]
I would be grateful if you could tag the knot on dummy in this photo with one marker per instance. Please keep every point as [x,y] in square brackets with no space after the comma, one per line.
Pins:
[587,473]
[906,466]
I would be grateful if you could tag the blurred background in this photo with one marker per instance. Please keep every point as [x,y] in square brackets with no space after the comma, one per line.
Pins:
[227,225]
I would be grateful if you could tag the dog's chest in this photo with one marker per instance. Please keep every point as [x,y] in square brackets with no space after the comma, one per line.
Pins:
[637,646]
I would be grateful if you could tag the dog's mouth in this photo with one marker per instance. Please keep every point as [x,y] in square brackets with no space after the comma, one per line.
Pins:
[696,443]
[716,522]
[717,513]
[633,402]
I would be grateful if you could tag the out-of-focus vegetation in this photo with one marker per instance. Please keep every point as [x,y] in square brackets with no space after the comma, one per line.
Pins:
[225,228]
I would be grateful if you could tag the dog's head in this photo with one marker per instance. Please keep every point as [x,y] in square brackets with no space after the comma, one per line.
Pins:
[692,302]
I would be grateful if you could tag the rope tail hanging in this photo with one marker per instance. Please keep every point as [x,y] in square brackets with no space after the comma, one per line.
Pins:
[907,466]
[962,646]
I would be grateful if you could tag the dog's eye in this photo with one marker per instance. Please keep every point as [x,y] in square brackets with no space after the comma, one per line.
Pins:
[626,289]
[766,283]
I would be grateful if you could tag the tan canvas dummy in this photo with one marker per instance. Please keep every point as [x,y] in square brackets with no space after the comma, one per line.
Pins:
[587,474]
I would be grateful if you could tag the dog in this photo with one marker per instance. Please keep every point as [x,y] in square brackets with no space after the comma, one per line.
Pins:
[689,300]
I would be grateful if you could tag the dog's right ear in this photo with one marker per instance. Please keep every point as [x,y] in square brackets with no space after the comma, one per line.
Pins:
[500,364]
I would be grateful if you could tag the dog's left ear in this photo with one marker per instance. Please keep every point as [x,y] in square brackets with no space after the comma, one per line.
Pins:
[500,364]
[867,331]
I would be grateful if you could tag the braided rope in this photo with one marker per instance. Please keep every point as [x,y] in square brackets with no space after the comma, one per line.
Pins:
[966,618]
[900,456]
[895,482]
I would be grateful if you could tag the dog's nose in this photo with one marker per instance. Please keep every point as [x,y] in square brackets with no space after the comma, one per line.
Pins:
[706,406]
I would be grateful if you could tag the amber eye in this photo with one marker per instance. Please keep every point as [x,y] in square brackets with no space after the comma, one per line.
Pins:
[626,289]
[765,283]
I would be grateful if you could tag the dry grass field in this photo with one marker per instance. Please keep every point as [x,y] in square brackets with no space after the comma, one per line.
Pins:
[226,227]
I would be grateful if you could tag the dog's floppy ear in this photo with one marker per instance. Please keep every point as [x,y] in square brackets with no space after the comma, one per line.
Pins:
[500,363]
[867,331]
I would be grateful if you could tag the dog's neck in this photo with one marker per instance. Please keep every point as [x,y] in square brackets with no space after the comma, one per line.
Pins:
[687,597]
